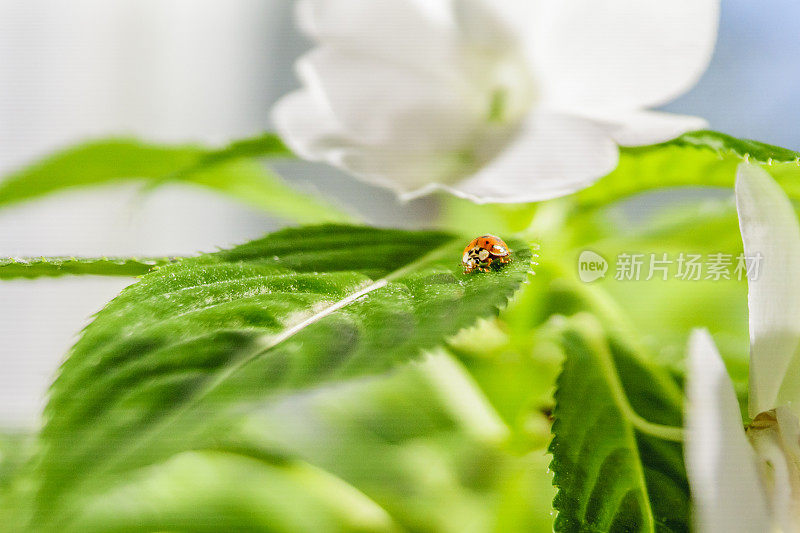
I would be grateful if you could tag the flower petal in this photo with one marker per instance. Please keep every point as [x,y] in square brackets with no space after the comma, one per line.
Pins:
[550,156]
[639,128]
[769,228]
[620,54]
[309,127]
[306,124]
[415,33]
[720,462]
[383,103]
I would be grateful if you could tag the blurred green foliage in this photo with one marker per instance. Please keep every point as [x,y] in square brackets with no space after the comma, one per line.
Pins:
[231,171]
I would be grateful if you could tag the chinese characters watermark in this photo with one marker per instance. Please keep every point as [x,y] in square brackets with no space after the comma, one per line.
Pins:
[663,266]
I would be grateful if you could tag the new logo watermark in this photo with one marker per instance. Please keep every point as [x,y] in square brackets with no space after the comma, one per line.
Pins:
[591,266]
[684,266]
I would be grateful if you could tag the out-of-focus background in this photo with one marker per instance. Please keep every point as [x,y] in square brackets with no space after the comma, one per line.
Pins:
[208,70]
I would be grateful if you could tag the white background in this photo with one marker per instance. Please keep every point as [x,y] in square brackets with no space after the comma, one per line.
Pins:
[186,70]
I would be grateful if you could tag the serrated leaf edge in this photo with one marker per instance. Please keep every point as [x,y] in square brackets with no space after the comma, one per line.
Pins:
[269,342]
[590,333]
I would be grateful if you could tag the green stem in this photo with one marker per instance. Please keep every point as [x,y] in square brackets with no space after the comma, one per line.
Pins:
[30,268]
[463,397]
[614,320]
[592,332]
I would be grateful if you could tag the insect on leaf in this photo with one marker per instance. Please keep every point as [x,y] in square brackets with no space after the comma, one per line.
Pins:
[170,363]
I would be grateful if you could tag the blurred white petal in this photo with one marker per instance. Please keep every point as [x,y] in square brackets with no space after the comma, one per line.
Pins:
[402,171]
[311,131]
[551,156]
[373,99]
[307,123]
[621,54]
[411,32]
[421,35]
[769,227]
[425,95]
[639,128]
[720,462]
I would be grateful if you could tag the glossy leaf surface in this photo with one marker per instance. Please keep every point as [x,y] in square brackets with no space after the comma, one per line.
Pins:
[172,363]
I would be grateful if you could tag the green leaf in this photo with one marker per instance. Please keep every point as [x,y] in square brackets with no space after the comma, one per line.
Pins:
[698,159]
[420,442]
[38,267]
[518,380]
[171,363]
[223,491]
[399,441]
[230,170]
[16,450]
[615,462]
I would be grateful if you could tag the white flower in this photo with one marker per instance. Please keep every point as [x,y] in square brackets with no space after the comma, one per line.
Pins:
[751,482]
[491,100]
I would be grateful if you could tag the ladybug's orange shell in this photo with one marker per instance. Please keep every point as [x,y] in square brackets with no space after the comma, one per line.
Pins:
[488,242]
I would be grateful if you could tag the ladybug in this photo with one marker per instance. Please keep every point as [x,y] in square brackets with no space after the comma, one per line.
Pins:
[482,251]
